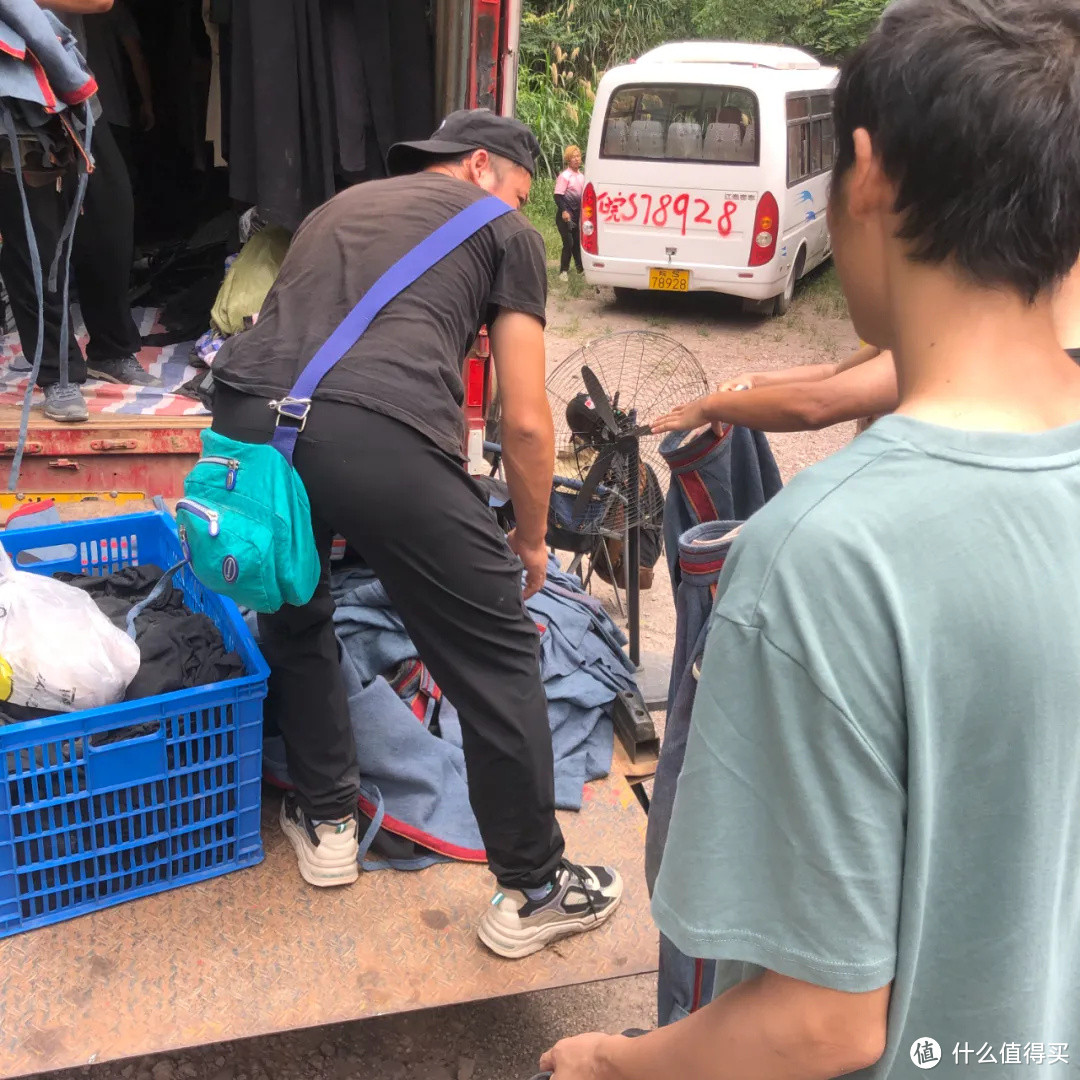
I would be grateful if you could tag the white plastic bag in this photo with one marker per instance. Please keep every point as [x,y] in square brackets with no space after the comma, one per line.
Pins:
[57,650]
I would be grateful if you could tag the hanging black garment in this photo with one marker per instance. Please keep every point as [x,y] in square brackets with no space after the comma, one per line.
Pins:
[381,76]
[412,73]
[281,125]
[398,62]
[319,90]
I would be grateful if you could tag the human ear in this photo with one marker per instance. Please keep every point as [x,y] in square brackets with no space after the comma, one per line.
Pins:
[868,189]
[480,163]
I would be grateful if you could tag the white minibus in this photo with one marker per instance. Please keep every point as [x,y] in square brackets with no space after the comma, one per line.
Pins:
[708,169]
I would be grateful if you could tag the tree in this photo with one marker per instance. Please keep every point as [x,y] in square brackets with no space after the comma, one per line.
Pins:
[566,45]
[828,28]
[600,33]
[843,26]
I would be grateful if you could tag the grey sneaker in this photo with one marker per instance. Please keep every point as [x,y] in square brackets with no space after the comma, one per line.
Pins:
[326,851]
[126,370]
[65,404]
[582,898]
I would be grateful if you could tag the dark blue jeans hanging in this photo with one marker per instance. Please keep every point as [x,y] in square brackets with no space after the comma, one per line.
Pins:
[684,983]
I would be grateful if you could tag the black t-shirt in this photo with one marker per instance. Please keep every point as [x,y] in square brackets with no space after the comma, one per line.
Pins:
[1074,353]
[408,364]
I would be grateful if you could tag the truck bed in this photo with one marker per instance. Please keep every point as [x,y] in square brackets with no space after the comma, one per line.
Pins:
[111,457]
[259,951]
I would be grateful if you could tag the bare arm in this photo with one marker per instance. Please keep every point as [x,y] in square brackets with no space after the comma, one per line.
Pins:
[769,1028]
[528,435]
[757,379]
[77,7]
[805,373]
[861,356]
[866,390]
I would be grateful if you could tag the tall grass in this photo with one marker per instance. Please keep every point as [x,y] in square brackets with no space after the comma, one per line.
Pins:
[540,210]
[557,105]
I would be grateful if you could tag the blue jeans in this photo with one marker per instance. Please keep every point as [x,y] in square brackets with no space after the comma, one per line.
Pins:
[684,983]
[714,478]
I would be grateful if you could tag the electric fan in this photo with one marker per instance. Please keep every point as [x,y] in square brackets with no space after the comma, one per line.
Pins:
[610,478]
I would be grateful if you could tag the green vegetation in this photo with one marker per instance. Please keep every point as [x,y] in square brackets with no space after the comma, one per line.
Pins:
[828,28]
[566,45]
[822,292]
[540,210]
[558,107]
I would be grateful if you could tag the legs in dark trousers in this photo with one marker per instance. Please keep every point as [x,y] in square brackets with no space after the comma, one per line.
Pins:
[422,526]
[48,209]
[104,248]
[571,244]
[101,262]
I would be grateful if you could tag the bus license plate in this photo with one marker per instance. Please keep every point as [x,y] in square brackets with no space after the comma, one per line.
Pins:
[669,280]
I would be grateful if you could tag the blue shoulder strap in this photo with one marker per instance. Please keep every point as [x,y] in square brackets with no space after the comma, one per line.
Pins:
[399,277]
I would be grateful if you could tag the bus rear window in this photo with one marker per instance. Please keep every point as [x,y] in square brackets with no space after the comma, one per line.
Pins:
[682,123]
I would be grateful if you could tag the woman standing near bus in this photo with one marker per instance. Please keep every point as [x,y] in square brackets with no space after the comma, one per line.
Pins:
[568,188]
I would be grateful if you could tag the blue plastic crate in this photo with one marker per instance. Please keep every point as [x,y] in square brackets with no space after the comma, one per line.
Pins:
[92,813]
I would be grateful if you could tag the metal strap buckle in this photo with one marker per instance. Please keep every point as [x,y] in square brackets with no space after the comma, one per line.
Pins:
[294,408]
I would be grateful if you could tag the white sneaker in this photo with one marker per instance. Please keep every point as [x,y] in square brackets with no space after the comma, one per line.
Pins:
[325,851]
[581,898]
[564,276]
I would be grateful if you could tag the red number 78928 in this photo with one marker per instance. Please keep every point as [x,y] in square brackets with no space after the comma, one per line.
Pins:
[646,209]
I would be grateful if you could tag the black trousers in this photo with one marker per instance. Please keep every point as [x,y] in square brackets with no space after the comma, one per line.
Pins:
[571,243]
[422,526]
[100,264]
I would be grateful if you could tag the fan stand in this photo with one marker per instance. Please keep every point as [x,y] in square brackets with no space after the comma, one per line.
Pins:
[574,567]
[654,674]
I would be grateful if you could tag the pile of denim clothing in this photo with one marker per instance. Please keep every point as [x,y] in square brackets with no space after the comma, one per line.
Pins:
[409,739]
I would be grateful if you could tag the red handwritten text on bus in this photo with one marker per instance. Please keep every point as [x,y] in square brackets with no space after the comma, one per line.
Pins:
[660,211]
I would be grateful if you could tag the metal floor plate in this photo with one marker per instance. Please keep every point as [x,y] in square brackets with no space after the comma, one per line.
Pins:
[259,951]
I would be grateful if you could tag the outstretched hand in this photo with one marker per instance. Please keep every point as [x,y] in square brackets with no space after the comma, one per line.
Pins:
[684,418]
[579,1058]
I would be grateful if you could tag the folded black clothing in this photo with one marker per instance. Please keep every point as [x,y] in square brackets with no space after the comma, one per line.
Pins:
[179,648]
[116,594]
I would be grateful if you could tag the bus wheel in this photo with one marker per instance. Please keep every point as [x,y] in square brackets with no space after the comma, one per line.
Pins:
[783,301]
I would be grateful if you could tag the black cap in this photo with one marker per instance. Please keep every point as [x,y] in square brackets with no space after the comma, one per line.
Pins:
[465,130]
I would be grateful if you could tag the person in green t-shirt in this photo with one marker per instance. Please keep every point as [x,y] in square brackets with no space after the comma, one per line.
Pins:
[877,828]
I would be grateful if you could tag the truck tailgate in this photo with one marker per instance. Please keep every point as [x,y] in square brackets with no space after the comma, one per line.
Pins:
[259,951]
[109,453]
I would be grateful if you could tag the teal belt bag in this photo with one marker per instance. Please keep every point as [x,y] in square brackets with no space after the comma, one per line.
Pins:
[245,519]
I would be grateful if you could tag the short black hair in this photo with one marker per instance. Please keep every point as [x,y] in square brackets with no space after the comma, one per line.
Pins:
[973,107]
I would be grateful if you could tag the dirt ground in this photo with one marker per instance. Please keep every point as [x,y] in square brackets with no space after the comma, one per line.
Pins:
[501,1039]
